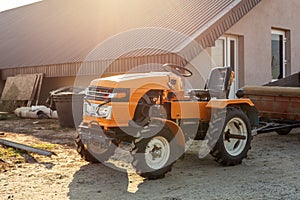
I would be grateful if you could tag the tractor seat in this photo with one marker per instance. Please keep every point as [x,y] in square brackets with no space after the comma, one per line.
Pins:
[217,86]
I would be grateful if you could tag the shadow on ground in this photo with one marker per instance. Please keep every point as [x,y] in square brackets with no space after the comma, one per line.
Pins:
[263,175]
[97,181]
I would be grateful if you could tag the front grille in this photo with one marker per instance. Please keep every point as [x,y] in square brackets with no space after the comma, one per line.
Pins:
[98,93]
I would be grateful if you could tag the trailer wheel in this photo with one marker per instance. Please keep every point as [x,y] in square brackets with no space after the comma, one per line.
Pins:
[153,157]
[235,139]
[284,131]
[84,153]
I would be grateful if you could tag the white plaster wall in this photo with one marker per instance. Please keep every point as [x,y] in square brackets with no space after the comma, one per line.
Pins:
[201,66]
[256,28]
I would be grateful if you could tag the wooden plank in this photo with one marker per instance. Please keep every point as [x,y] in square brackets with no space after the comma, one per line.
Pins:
[10,91]
[39,88]
[29,103]
[35,88]
[273,91]
[19,88]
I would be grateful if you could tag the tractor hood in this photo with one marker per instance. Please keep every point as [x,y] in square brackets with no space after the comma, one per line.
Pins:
[151,80]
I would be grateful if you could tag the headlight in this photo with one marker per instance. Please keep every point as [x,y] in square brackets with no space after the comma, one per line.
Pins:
[105,112]
[94,110]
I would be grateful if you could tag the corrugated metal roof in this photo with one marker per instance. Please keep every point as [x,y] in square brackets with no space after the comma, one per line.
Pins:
[56,32]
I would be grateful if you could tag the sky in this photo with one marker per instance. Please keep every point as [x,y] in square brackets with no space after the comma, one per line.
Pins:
[10,4]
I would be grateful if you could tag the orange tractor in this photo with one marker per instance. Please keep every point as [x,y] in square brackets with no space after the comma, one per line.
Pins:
[153,115]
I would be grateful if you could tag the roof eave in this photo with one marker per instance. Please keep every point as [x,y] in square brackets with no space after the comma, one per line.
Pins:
[208,34]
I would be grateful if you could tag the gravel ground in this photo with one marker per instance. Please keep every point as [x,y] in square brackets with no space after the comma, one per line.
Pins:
[271,171]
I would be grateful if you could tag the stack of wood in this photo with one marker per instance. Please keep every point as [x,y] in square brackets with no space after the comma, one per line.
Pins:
[23,87]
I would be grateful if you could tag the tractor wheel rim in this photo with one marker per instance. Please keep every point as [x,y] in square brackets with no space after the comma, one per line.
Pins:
[96,149]
[157,152]
[236,126]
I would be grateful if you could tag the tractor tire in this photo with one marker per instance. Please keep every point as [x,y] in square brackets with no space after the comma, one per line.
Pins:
[141,114]
[284,131]
[228,150]
[153,157]
[83,152]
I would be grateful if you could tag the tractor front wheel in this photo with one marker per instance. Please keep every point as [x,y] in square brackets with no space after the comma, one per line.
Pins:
[154,156]
[94,152]
[83,152]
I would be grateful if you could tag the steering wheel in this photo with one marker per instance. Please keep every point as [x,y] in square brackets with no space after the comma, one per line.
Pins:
[178,70]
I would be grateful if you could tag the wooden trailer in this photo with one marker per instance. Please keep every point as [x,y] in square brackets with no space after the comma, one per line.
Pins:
[278,104]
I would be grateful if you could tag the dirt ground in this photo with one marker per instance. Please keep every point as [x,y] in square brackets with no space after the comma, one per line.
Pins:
[271,171]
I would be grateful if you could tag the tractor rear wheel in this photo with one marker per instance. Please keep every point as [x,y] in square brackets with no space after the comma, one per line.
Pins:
[235,138]
[154,156]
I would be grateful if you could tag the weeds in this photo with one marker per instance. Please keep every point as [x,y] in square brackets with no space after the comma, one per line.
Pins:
[45,146]
[11,154]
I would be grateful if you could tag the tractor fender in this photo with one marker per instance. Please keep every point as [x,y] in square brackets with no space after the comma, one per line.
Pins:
[138,94]
[246,105]
[223,103]
[173,127]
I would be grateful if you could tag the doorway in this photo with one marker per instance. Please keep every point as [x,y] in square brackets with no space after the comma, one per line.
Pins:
[278,61]
[225,54]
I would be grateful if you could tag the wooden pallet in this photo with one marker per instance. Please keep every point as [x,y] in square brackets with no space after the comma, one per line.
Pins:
[23,87]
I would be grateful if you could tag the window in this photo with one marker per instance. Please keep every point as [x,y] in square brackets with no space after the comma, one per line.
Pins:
[278,59]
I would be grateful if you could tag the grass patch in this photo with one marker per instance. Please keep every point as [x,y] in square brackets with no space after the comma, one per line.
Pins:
[11,154]
[10,106]
[45,146]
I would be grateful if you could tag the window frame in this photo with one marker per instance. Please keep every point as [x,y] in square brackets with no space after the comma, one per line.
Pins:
[284,51]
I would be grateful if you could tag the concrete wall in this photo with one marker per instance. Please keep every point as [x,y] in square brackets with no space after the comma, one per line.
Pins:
[256,28]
